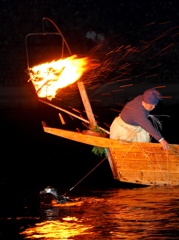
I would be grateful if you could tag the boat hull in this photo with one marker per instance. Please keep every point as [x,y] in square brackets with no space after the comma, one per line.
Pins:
[140,163]
[148,165]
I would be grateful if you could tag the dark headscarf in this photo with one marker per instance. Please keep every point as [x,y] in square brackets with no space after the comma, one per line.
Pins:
[151,96]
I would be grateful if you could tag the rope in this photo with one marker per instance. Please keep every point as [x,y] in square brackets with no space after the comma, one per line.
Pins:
[167,179]
[155,122]
[85,176]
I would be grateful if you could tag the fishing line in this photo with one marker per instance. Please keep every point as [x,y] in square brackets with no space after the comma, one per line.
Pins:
[85,176]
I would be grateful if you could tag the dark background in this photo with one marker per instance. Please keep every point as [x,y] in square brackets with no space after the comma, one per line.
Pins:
[31,158]
[135,21]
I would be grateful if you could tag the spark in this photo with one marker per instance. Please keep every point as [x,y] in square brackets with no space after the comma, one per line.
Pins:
[120,62]
[129,85]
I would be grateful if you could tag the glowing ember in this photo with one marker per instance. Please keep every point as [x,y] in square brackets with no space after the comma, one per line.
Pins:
[49,77]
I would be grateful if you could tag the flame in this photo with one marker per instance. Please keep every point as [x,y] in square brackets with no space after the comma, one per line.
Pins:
[49,77]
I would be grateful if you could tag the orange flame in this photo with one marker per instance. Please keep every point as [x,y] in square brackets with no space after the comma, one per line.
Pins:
[47,78]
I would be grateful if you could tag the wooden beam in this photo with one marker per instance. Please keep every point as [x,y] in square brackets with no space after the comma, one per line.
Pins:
[71,114]
[87,105]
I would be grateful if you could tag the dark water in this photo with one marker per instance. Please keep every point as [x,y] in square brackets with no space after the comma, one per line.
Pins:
[104,208]
[104,214]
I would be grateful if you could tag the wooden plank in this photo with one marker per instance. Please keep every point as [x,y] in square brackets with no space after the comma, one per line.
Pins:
[146,148]
[154,168]
[149,178]
[83,138]
[107,142]
[148,158]
[87,105]
[111,163]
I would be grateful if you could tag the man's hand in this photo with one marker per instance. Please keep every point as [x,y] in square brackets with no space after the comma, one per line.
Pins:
[165,145]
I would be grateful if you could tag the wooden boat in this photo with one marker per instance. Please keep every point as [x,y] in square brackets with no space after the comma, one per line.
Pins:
[136,162]
[140,163]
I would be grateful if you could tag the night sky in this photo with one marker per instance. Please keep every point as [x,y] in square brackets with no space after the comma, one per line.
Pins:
[113,17]
[129,23]
[134,20]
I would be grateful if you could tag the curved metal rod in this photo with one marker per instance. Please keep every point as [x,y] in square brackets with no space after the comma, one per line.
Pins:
[36,34]
[47,33]
[58,31]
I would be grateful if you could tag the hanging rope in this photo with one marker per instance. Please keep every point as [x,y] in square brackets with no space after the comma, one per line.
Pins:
[156,122]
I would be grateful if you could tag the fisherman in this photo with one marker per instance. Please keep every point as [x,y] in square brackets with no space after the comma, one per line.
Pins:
[133,125]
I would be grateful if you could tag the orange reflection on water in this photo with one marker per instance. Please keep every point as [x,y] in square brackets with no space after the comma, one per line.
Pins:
[56,229]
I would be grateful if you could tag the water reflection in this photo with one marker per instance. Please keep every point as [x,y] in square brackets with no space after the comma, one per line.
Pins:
[55,229]
[141,213]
